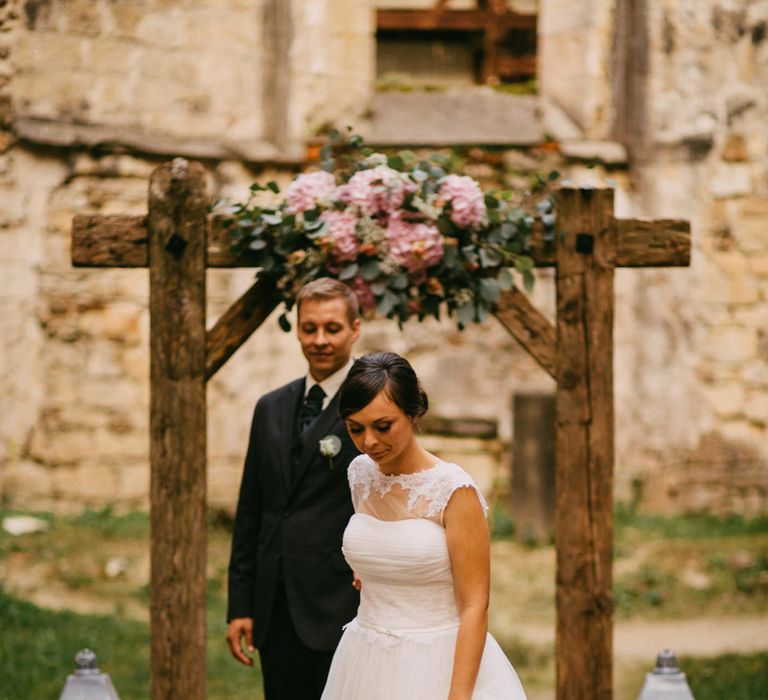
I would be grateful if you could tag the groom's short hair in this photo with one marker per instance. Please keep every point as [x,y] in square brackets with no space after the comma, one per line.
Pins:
[325,289]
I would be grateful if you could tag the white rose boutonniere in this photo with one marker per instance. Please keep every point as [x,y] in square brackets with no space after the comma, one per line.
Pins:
[330,446]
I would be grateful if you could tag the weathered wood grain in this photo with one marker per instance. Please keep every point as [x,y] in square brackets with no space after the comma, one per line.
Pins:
[177,251]
[237,325]
[121,241]
[109,241]
[584,474]
[529,327]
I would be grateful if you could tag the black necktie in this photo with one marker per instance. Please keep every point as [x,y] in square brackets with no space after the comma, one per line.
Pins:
[311,408]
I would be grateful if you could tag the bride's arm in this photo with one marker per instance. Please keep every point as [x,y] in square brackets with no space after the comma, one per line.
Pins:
[469,547]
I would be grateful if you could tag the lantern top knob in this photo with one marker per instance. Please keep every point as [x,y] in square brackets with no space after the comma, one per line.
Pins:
[86,663]
[666,663]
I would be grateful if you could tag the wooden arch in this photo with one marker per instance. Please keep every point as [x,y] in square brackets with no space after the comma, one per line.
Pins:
[178,240]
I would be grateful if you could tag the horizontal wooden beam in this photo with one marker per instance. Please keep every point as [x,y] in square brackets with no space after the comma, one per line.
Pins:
[653,243]
[110,241]
[451,20]
[529,327]
[237,325]
[121,241]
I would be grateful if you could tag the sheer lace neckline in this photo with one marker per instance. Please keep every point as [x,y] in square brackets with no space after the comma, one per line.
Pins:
[396,477]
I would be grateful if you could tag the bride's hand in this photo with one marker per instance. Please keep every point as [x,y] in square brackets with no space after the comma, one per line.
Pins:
[357,584]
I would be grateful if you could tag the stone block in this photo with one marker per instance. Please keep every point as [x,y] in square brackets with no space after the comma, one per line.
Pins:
[726,398]
[60,447]
[25,480]
[118,321]
[735,149]
[96,483]
[731,345]
[750,230]
[731,180]
[758,264]
[133,481]
[756,407]
[125,19]
[608,152]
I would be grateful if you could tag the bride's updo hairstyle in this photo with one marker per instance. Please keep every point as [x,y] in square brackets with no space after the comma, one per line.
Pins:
[382,371]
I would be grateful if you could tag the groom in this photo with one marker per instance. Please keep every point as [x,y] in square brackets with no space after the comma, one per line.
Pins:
[290,589]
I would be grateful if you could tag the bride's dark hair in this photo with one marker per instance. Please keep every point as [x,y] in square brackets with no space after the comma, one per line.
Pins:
[382,371]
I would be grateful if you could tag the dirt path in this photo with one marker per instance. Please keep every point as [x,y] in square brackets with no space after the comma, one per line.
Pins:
[642,639]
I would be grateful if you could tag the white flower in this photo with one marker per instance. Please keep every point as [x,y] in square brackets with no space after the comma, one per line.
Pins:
[330,446]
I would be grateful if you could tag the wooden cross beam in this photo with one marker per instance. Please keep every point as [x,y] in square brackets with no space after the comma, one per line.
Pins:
[177,240]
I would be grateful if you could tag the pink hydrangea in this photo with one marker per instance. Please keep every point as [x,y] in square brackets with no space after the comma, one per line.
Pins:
[308,190]
[416,246]
[377,190]
[466,198]
[341,231]
[364,293]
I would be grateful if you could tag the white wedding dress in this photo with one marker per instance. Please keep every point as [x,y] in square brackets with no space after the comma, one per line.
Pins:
[401,644]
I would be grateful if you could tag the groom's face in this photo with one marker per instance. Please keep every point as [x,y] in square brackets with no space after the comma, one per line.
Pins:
[326,335]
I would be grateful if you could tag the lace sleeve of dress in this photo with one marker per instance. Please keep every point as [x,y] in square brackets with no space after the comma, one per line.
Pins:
[359,476]
[449,481]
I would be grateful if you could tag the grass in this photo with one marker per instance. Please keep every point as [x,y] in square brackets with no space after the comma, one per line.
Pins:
[37,649]
[725,677]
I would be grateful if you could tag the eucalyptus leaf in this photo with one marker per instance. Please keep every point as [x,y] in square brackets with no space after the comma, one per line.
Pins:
[334,135]
[491,202]
[508,230]
[470,254]
[284,323]
[326,152]
[257,244]
[489,257]
[369,270]
[395,162]
[420,175]
[312,214]
[528,280]
[349,271]
[466,313]
[329,165]
[505,279]
[387,303]
[399,281]
[273,186]
[490,290]
[272,219]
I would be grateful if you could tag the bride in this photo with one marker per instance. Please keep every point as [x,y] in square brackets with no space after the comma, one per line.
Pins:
[418,544]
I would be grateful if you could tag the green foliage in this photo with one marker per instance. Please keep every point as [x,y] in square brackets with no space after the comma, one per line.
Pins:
[37,650]
[499,521]
[691,526]
[728,677]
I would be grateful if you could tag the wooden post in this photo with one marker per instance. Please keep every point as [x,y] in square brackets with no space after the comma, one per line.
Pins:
[533,466]
[584,477]
[177,224]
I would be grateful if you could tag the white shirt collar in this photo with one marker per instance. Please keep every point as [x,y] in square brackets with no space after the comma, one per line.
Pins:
[330,385]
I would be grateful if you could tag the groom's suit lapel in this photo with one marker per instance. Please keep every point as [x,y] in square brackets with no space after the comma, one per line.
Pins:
[310,448]
[288,410]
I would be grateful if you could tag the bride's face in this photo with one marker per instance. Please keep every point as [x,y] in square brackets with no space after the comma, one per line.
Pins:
[381,430]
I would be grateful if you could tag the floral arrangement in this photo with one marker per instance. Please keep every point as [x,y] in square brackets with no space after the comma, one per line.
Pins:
[409,237]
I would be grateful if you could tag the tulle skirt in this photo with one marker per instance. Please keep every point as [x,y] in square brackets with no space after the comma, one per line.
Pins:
[374,665]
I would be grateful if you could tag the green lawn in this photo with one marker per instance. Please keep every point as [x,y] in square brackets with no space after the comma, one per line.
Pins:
[37,649]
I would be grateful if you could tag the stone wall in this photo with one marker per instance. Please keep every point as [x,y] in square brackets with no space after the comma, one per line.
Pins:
[691,346]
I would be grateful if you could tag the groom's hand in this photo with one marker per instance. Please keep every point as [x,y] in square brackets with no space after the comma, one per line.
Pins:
[239,628]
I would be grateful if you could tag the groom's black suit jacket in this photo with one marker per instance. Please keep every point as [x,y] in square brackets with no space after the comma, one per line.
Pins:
[291,514]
